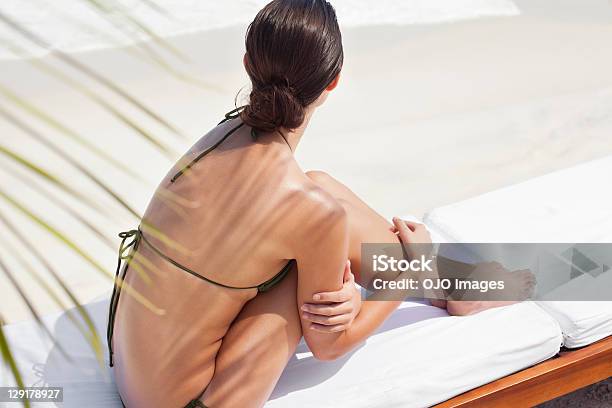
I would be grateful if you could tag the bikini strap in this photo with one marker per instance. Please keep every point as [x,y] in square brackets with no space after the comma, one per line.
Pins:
[126,253]
[269,284]
[186,269]
[196,403]
[233,114]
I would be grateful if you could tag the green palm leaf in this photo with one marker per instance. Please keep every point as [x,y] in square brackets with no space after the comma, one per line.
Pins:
[97,77]
[50,196]
[54,72]
[73,161]
[90,333]
[77,249]
[8,358]
[33,167]
[154,6]
[139,50]
[110,14]
[57,125]
[26,300]
[23,294]
[54,232]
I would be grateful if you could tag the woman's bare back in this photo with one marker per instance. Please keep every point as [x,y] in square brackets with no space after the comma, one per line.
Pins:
[229,218]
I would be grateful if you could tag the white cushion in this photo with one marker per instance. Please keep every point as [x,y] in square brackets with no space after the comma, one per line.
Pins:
[419,357]
[582,322]
[572,206]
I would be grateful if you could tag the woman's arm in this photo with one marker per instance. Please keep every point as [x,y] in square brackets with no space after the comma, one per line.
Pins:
[340,307]
[371,315]
[321,253]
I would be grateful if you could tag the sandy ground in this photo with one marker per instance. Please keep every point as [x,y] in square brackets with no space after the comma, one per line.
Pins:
[424,116]
[598,395]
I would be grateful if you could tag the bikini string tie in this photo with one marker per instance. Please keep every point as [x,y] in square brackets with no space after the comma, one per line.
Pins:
[126,253]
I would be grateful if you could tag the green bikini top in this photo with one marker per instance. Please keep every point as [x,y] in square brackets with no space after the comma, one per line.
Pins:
[127,249]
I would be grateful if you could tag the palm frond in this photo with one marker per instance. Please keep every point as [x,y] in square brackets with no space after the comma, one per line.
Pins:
[154,6]
[140,50]
[8,358]
[54,232]
[51,197]
[109,13]
[77,249]
[93,334]
[60,127]
[98,100]
[95,76]
[34,168]
[24,296]
[26,300]
[71,160]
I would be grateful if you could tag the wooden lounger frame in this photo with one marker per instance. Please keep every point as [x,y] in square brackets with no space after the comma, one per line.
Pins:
[562,374]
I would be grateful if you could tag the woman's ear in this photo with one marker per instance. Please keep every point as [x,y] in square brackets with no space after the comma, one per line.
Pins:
[333,83]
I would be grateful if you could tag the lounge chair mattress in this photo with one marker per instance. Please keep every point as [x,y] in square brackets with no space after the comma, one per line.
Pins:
[419,357]
[571,206]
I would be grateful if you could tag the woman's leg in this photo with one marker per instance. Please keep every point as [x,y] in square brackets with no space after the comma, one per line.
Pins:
[367,226]
[256,348]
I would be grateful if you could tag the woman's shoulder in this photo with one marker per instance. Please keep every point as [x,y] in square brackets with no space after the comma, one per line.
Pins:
[316,218]
[313,204]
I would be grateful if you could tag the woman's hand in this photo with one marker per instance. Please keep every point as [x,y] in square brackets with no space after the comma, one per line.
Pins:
[334,311]
[414,236]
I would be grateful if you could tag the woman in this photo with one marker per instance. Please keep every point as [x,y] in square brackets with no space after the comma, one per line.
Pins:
[207,319]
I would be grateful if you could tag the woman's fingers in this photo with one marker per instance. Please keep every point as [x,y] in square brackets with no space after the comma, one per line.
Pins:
[344,293]
[327,310]
[412,225]
[403,230]
[327,320]
[336,297]
[334,311]
[411,232]
[328,329]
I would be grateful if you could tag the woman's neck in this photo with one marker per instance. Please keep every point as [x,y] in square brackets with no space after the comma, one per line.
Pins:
[293,137]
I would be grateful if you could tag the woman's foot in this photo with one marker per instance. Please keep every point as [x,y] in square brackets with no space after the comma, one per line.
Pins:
[518,286]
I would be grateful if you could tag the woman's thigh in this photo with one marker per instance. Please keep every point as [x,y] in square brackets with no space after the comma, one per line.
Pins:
[256,348]
[365,224]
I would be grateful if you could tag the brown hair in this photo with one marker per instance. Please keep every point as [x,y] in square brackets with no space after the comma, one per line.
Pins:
[293,52]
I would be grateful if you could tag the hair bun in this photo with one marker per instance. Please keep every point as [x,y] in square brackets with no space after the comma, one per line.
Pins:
[273,107]
[293,53]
